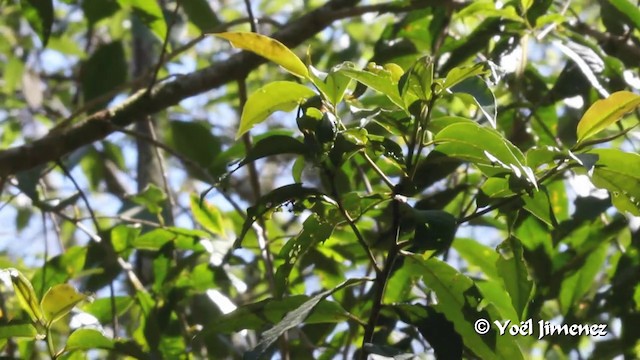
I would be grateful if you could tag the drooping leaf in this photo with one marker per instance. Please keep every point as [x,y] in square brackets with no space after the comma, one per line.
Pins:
[95,11]
[475,91]
[150,13]
[108,58]
[274,145]
[26,296]
[606,112]
[459,300]
[200,14]
[513,271]
[87,339]
[268,48]
[293,319]
[39,15]
[59,300]
[207,215]
[314,231]
[435,327]
[619,172]
[275,96]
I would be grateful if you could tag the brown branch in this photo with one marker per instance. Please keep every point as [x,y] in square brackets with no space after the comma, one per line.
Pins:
[100,124]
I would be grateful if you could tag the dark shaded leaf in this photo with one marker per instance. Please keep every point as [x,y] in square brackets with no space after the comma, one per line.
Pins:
[107,59]
[274,145]
[39,14]
[512,268]
[200,14]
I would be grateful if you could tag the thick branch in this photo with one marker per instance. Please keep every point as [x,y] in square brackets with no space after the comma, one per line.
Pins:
[99,125]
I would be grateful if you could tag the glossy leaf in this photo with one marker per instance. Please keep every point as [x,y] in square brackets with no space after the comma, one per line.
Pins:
[619,172]
[87,339]
[268,48]
[475,90]
[274,145]
[485,147]
[275,96]
[459,300]
[461,73]
[58,302]
[26,296]
[606,112]
[382,81]
[513,271]
[207,215]
[415,84]
[39,14]
[336,84]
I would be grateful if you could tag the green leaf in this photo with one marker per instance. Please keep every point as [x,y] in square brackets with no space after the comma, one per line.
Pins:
[274,145]
[88,339]
[39,15]
[606,112]
[207,215]
[474,253]
[484,147]
[95,11]
[272,200]
[314,231]
[107,59]
[576,285]
[436,329]
[460,301]
[513,271]
[539,204]
[195,141]
[415,84]
[200,14]
[150,13]
[26,296]
[152,197]
[268,48]
[619,172]
[629,9]
[336,84]
[102,308]
[18,331]
[58,302]
[435,230]
[475,90]
[275,96]
[382,81]
[461,73]
[294,318]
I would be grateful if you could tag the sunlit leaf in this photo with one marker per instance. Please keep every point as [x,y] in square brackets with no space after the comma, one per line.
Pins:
[576,285]
[275,96]
[478,255]
[207,215]
[629,9]
[150,13]
[513,271]
[152,197]
[26,296]
[475,91]
[87,339]
[268,48]
[382,81]
[59,300]
[461,73]
[619,172]
[606,112]
[18,331]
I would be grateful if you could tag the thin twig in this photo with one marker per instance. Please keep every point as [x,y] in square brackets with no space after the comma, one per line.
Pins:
[163,51]
[83,196]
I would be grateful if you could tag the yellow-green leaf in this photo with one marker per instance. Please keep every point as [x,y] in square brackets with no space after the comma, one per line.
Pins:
[606,112]
[269,48]
[59,300]
[26,295]
[275,96]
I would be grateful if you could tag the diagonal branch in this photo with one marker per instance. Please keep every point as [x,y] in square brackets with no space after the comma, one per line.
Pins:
[100,124]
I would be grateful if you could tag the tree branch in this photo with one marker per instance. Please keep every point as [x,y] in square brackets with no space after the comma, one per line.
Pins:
[100,124]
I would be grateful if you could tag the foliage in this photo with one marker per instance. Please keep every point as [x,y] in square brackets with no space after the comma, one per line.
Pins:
[425,169]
